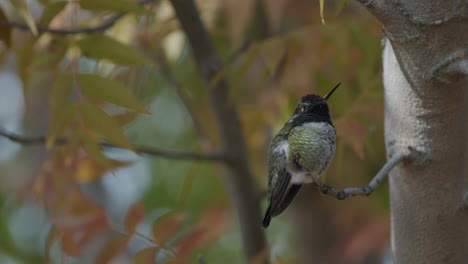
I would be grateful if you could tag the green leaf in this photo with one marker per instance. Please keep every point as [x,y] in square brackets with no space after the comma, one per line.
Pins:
[108,90]
[93,149]
[103,125]
[50,11]
[60,91]
[56,51]
[115,5]
[61,117]
[321,11]
[23,11]
[104,47]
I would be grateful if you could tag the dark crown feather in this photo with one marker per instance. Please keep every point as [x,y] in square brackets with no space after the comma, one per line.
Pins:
[311,97]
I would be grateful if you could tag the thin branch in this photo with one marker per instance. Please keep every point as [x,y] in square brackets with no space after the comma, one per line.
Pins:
[84,30]
[374,183]
[152,152]
[240,183]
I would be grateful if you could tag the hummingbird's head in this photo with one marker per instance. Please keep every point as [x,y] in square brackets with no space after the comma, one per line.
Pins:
[313,108]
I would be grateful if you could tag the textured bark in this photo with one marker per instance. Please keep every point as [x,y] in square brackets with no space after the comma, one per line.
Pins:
[428,222]
[426,106]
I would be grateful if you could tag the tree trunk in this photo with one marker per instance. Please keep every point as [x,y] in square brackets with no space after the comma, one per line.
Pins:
[429,224]
[426,107]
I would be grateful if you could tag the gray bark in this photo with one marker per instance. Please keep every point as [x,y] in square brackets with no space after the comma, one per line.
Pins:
[426,106]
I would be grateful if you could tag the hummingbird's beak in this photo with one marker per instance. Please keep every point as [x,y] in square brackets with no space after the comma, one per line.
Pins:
[331,92]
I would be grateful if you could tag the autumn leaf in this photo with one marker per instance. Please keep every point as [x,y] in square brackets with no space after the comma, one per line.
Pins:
[108,90]
[104,125]
[146,256]
[61,117]
[51,10]
[92,148]
[124,119]
[115,5]
[23,11]
[104,47]
[321,11]
[165,228]
[60,91]
[209,227]
[134,216]
[112,249]
[69,244]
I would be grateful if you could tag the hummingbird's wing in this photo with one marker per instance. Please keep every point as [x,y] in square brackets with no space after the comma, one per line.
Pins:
[288,198]
[276,196]
[282,194]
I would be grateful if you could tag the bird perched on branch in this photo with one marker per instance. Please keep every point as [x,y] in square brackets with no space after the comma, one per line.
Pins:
[300,152]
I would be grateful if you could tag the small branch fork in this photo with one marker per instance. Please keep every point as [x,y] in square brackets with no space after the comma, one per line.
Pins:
[215,156]
[374,183]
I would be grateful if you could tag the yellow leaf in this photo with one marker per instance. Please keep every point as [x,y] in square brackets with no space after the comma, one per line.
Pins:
[115,5]
[321,11]
[108,90]
[23,11]
[50,11]
[104,47]
[87,170]
[104,125]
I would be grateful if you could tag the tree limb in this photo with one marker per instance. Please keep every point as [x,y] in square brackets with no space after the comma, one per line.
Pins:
[375,182]
[152,152]
[84,30]
[240,183]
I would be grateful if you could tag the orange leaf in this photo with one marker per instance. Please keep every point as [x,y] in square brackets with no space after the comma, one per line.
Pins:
[134,216]
[164,228]
[112,249]
[146,256]
[69,245]
[209,227]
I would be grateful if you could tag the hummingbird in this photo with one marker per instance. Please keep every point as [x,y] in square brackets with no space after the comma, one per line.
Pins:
[300,152]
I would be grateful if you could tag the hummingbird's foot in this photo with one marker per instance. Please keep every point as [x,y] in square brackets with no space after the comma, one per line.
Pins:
[327,189]
[367,190]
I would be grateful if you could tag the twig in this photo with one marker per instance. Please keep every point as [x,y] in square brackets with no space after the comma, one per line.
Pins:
[84,30]
[374,183]
[215,156]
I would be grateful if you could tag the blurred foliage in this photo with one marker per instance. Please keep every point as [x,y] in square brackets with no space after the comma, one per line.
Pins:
[102,86]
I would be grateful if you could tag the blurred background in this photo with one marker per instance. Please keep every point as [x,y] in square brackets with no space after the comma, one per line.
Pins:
[60,208]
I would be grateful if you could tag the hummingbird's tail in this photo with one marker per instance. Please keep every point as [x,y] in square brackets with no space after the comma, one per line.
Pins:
[267,218]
